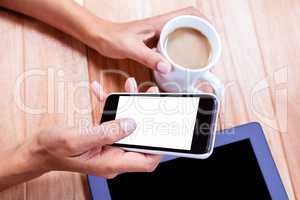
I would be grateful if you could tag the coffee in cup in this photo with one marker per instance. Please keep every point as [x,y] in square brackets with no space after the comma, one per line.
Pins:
[188,48]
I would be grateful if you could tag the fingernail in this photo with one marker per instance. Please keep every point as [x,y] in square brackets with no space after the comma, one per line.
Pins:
[128,125]
[153,89]
[156,90]
[96,87]
[132,84]
[163,67]
[98,90]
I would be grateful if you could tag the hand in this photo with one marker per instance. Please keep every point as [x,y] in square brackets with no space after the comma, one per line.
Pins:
[129,40]
[85,151]
[115,40]
[88,151]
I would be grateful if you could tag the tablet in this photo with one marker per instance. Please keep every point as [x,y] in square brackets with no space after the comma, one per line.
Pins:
[240,167]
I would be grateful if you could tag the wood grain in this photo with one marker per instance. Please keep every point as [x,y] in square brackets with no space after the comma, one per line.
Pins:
[56,93]
[259,67]
[12,123]
[245,72]
[279,41]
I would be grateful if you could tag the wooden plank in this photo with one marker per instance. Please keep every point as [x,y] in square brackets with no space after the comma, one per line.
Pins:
[244,71]
[278,31]
[11,61]
[56,93]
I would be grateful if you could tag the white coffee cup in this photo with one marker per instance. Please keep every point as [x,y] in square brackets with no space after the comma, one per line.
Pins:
[182,79]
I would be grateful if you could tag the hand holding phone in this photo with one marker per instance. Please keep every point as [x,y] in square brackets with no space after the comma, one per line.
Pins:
[174,124]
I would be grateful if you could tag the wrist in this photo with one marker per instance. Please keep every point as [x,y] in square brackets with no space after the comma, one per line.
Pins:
[32,158]
[100,35]
[21,164]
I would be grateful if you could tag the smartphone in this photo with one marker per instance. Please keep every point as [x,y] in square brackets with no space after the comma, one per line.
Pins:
[179,124]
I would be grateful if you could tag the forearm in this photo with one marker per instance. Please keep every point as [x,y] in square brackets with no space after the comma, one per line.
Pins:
[19,165]
[65,15]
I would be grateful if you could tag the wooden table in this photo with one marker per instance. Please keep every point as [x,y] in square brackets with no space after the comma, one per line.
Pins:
[44,77]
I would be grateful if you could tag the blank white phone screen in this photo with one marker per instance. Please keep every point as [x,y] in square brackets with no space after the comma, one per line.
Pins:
[165,122]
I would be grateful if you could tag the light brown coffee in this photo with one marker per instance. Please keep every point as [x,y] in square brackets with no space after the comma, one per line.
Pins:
[188,48]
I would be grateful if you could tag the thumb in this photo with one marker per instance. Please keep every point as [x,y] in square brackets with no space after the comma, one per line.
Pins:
[113,131]
[105,134]
[151,59]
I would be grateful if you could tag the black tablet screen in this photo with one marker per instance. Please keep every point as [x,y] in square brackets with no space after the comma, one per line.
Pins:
[232,172]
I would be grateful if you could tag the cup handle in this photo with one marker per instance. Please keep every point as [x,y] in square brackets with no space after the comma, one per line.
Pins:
[216,84]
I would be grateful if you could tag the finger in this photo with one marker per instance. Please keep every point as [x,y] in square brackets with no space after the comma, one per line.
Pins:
[150,58]
[91,153]
[153,89]
[105,134]
[204,86]
[129,161]
[159,21]
[110,176]
[98,91]
[110,132]
[122,161]
[148,35]
[131,85]
[137,162]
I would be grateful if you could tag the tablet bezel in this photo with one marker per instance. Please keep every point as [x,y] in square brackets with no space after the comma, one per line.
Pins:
[252,131]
